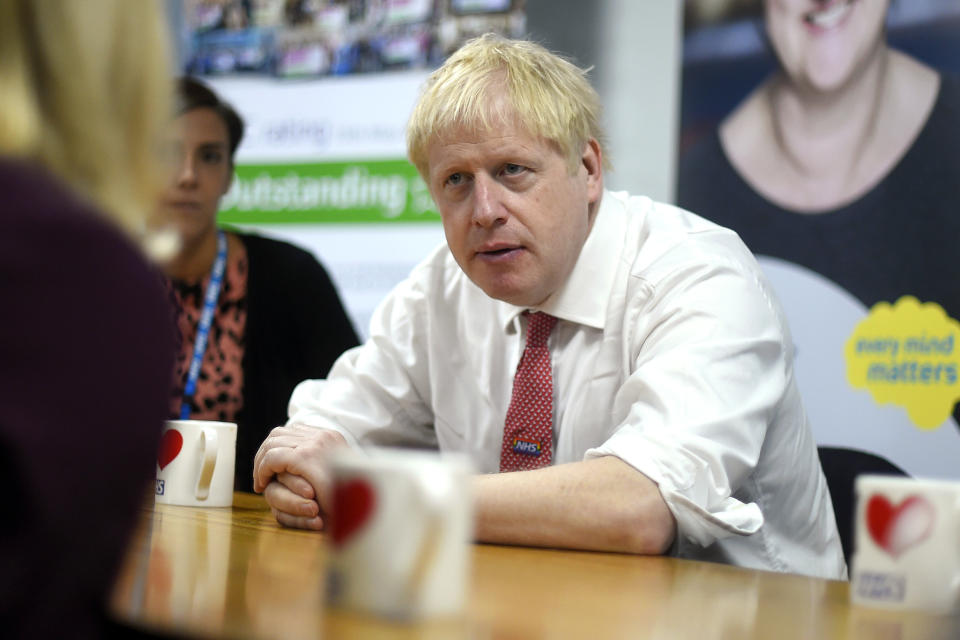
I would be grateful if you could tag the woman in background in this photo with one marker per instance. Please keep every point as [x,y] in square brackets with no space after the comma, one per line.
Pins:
[87,345]
[277,317]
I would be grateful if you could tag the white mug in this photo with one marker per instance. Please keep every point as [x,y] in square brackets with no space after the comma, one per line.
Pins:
[400,530]
[907,553]
[195,463]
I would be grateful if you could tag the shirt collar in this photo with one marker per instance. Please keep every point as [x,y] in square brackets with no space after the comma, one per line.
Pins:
[583,298]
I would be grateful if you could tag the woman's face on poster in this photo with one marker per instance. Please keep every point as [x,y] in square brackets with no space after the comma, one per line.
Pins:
[821,44]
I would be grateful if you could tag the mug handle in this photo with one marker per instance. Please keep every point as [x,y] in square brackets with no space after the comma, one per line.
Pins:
[435,503]
[208,455]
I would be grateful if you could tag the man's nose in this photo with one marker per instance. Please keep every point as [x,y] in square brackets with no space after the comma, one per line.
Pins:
[487,203]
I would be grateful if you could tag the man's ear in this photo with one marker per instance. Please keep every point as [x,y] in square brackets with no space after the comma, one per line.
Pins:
[592,161]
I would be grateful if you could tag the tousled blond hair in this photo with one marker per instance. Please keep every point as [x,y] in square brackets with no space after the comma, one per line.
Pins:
[549,96]
[86,92]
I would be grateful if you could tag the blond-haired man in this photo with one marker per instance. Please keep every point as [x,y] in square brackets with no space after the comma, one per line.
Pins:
[673,424]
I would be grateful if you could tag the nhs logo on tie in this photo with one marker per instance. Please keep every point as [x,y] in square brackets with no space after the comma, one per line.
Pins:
[526,447]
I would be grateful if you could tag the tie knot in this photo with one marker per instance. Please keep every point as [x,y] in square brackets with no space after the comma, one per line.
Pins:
[539,326]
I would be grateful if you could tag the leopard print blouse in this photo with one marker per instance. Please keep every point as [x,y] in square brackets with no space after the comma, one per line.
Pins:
[220,384]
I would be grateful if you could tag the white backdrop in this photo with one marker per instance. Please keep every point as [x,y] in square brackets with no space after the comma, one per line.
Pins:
[346,118]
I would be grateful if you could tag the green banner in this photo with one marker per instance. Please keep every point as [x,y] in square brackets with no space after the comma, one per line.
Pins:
[328,192]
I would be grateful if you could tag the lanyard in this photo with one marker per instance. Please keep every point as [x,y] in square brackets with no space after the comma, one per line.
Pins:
[203,328]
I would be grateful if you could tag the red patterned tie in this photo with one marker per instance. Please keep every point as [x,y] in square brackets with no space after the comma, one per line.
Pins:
[528,431]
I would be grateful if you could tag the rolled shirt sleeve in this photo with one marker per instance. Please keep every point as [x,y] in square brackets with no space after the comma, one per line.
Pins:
[709,370]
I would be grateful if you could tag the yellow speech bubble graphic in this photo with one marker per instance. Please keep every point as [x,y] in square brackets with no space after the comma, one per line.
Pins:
[907,354]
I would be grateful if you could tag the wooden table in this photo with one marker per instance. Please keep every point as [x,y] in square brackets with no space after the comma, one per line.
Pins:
[236,573]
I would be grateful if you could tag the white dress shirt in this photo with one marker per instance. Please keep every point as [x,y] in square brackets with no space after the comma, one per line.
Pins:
[670,353]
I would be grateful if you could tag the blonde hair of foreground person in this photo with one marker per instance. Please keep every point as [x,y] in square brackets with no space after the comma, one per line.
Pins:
[86,92]
[550,97]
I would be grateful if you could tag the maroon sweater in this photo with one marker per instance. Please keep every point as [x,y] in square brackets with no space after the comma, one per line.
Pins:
[86,349]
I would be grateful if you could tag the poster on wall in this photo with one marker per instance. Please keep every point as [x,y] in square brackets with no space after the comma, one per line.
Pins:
[827,134]
[325,88]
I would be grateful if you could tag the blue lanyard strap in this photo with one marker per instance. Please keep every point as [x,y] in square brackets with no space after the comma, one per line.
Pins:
[210,298]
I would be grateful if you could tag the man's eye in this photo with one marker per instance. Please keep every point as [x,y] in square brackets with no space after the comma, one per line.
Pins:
[511,169]
[455,179]
[211,157]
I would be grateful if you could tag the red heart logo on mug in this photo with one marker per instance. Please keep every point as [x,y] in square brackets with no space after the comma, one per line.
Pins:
[170,444]
[898,528]
[352,506]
